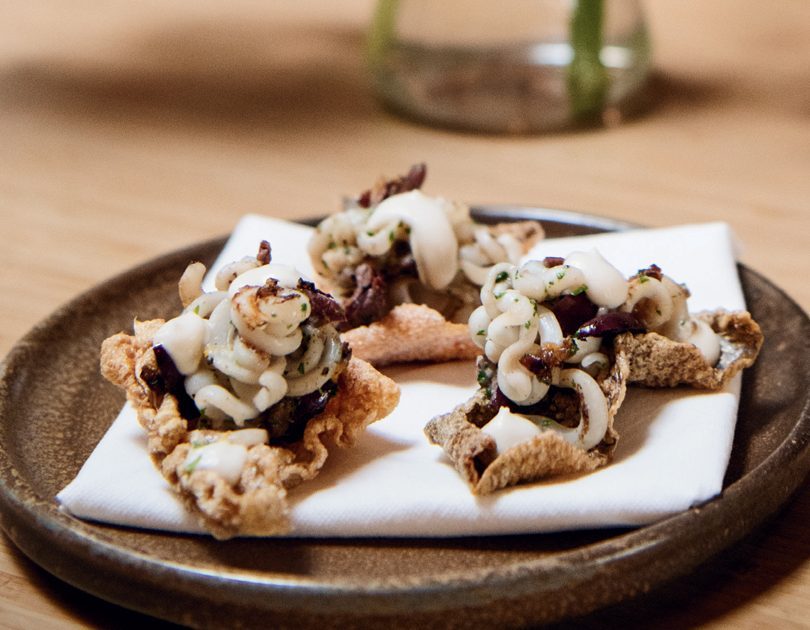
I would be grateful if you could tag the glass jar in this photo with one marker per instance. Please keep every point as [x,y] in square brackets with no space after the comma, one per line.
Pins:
[516,66]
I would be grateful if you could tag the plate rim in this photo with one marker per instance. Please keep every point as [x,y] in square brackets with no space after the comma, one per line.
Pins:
[81,537]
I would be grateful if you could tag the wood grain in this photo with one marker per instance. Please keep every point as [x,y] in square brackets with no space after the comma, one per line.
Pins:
[131,129]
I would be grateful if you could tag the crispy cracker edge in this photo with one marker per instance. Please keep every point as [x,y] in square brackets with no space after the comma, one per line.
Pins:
[657,361]
[411,332]
[474,454]
[257,504]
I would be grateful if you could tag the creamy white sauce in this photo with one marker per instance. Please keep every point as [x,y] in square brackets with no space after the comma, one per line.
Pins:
[705,340]
[510,429]
[605,284]
[227,455]
[223,458]
[248,437]
[286,275]
[432,239]
[183,339]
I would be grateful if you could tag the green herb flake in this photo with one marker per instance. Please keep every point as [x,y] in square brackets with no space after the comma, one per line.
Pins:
[501,276]
[481,332]
[561,274]
[528,324]
[482,378]
[580,289]
[304,307]
[498,296]
[331,245]
[391,236]
[197,309]
[191,466]
[642,279]
[574,347]
[300,368]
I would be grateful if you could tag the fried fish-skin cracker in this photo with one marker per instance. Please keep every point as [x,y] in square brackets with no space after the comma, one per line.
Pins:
[256,504]
[411,332]
[657,361]
[528,232]
[416,332]
[474,453]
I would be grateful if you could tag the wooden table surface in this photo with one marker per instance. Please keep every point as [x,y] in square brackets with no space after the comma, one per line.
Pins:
[131,129]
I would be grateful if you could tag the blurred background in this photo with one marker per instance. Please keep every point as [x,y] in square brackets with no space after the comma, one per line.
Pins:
[129,129]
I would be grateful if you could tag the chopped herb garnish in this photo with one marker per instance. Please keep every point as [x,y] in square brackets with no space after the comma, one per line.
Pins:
[503,275]
[574,347]
[189,468]
[482,377]
[561,274]
[197,309]
[370,233]
[642,279]
[331,245]
[481,332]
[580,289]
[498,296]
[528,324]
[304,307]
[391,236]
[300,368]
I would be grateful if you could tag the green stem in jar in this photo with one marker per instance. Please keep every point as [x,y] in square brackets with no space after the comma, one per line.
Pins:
[381,32]
[587,77]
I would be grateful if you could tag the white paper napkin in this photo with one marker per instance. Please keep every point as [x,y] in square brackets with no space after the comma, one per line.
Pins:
[672,454]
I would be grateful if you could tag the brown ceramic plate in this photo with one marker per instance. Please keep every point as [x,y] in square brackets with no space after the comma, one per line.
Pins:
[54,408]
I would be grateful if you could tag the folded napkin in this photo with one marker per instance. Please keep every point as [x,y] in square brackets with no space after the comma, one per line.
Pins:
[672,453]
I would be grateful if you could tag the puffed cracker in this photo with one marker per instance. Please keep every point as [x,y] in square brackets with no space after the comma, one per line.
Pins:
[418,333]
[657,361]
[474,454]
[411,332]
[256,505]
[646,359]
